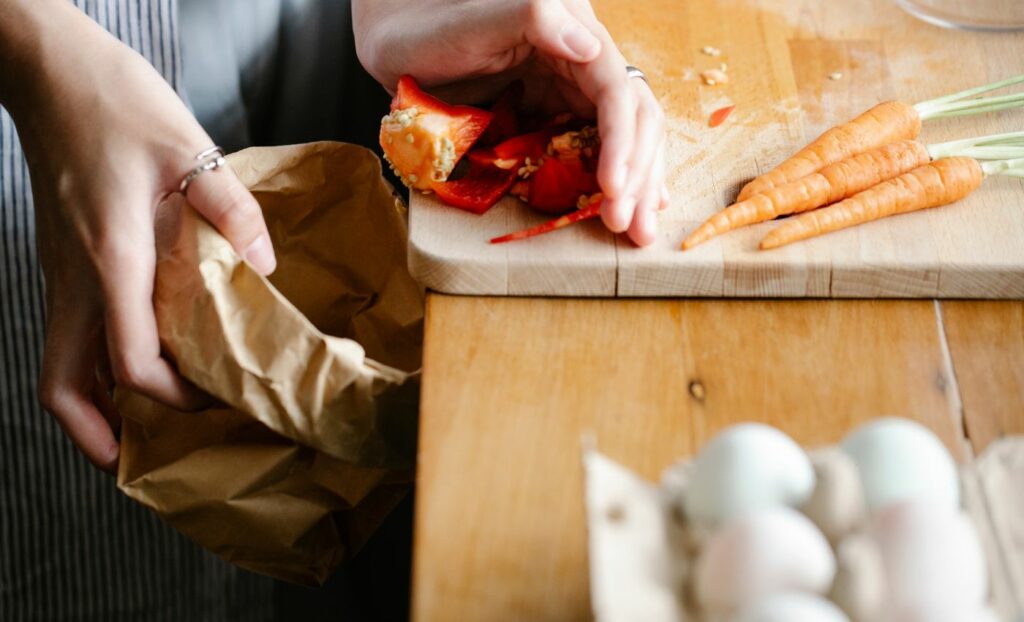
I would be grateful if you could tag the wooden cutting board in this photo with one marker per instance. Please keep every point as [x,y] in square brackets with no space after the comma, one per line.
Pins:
[780,55]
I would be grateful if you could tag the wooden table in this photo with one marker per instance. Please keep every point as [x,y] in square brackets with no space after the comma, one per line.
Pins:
[511,384]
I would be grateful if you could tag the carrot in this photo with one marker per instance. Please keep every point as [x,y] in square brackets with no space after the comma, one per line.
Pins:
[885,123]
[830,184]
[934,184]
[592,209]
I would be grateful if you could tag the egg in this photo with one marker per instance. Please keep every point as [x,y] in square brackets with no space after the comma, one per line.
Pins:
[791,607]
[759,553]
[934,564]
[859,586]
[837,504]
[745,468]
[899,459]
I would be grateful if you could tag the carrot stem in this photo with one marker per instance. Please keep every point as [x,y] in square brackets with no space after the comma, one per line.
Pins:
[991,147]
[970,106]
[971,92]
[1013,167]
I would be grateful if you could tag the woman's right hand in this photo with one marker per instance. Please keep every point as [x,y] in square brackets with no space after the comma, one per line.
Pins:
[106,139]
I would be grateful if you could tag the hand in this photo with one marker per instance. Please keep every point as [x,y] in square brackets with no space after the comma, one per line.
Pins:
[568,61]
[106,140]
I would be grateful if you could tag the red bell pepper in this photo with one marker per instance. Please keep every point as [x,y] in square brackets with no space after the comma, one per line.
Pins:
[557,185]
[424,137]
[478,190]
[505,123]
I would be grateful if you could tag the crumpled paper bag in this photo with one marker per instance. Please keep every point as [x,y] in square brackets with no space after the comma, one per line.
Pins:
[315,440]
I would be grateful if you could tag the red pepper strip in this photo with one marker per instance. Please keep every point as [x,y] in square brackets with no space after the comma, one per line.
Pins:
[468,122]
[505,124]
[719,116]
[533,145]
[590,211]
[557,185]
[478,190]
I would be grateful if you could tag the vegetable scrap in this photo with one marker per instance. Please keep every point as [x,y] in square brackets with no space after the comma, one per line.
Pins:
[719,116]
[589,207]
[711,77]
[835,75]
[549,164]
[710,51]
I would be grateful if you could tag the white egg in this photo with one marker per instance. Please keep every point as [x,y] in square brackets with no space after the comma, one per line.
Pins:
[837,504]
[934,564]
[791,607]
[899,459]
[777,549]
[745,468]
[859,586]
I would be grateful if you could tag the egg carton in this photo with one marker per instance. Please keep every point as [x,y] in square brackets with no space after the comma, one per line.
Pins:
[646,545]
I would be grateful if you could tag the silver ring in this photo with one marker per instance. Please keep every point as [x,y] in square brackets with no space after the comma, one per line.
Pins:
[210,160]
[634,72]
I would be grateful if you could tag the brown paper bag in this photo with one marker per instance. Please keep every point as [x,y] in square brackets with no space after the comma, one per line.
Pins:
[315,366]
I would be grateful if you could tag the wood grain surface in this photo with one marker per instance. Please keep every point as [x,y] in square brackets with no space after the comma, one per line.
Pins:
[986,342]
[780,54]
[511,385]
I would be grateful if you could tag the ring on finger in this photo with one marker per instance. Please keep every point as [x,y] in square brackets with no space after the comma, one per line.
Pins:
[209,160]
[635,72]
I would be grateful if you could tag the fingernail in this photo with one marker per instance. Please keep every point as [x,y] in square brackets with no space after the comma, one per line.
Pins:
[624,213]
[580,41]
[260,255]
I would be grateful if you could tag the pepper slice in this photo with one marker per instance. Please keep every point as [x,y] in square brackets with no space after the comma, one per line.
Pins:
[423,137]
[478,190]
[533,145]
[591,210]
[505,123]
[557,184]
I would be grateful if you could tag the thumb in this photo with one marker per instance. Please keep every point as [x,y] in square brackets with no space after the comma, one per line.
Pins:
[552,29]
[229,206]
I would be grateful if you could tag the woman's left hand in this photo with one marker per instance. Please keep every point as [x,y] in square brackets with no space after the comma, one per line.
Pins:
[568,61]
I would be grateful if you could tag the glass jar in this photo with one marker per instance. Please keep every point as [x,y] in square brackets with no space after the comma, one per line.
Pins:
[969,14]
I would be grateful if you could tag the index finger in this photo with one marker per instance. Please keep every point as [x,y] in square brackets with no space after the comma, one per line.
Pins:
[604,82]
[132,340]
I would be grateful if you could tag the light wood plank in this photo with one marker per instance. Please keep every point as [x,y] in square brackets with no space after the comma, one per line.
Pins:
[986,344]
[510,386]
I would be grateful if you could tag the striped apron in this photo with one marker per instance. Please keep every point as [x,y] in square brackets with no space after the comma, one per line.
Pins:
[71,546]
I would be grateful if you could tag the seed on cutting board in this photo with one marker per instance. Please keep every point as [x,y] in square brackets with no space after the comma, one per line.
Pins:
[835,75]
[711,77]
[711,51]
[723,67]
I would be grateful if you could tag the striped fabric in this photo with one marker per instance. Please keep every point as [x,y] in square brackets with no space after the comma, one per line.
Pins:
[71,546]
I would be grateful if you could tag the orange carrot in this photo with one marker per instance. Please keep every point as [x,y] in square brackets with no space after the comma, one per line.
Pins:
[937,183]
[830,184]
[885,123]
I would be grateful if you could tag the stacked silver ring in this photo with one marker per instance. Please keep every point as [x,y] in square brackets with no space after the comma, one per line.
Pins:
[209,160]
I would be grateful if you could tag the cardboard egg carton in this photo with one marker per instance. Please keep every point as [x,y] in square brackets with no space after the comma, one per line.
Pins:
[641,549]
